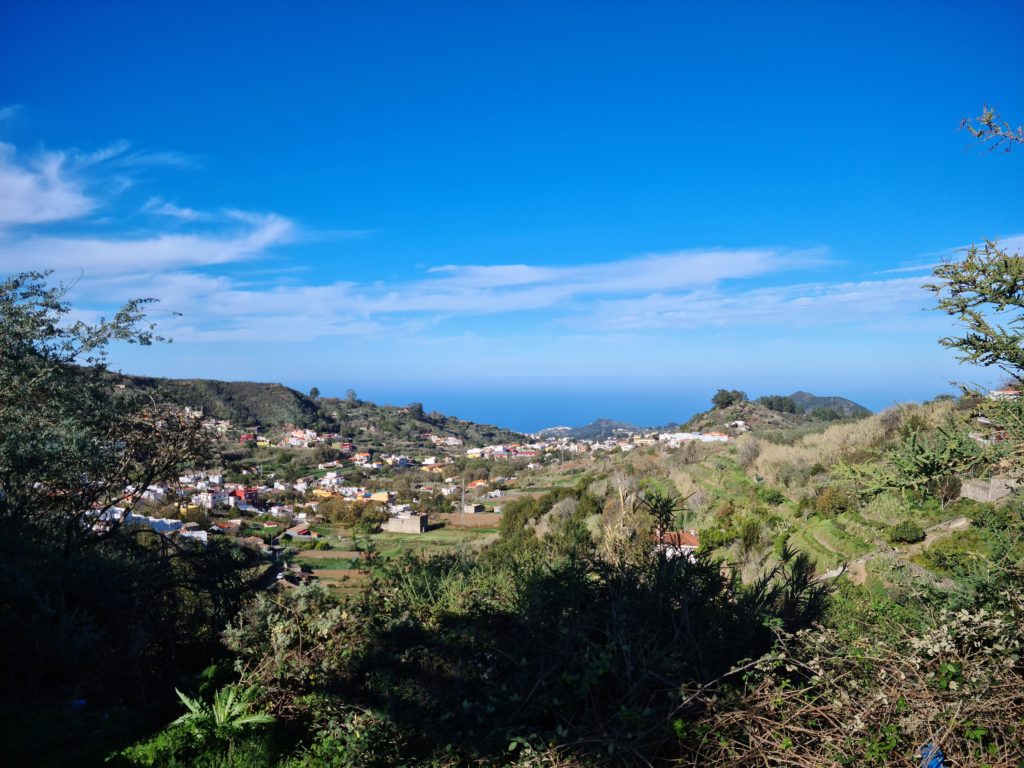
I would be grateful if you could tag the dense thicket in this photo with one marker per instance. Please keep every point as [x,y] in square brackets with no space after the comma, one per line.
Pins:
[93,612]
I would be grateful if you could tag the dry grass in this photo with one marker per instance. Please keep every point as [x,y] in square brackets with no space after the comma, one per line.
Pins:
[822,702]
[789,465]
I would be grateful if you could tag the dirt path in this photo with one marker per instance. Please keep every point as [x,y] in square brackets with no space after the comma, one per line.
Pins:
[459,520]
[330,574]
[330,554]
[856,570]
[936,533]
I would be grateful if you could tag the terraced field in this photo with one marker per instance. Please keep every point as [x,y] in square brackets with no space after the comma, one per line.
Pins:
[343,566]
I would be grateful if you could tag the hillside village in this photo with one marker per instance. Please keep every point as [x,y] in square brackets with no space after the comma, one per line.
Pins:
[270,510]
[285,489]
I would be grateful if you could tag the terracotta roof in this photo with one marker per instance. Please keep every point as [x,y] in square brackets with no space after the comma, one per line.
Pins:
[681,539]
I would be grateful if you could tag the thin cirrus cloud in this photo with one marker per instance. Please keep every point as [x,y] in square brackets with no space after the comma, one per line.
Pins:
[159,207]
[180,256]
[216,308]
[63,187]
[98,256]
[539,297]
[792,306]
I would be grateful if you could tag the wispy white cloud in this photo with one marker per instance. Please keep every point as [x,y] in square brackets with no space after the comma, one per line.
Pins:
[155,205]
[39,190]
[218,308]
[657,271]
[808,304]
[908,269]
[58,186]
[9,112]
[165,251]
[182,254]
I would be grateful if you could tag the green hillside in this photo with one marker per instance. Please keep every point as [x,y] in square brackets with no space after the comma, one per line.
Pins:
[271,406]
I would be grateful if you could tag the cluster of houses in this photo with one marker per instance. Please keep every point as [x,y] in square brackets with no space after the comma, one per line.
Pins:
[294,438]
[626,442]
[232,507]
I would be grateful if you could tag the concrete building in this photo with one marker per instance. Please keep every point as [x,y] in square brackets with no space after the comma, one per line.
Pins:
[410,523]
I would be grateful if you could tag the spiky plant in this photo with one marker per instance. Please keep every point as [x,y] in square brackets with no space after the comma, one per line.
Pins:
[225,718]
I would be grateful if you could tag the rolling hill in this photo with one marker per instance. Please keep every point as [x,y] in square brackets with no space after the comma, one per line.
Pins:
[270,406]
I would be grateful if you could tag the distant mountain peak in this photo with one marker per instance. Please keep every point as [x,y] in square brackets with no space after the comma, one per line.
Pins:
[598,429]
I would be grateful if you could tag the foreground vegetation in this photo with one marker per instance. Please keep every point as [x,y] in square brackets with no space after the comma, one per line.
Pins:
[844,607]
[849,605]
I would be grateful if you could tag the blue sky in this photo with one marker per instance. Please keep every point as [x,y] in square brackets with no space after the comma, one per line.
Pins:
[523,213]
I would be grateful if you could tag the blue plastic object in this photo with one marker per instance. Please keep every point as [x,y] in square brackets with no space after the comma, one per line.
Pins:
[932,757]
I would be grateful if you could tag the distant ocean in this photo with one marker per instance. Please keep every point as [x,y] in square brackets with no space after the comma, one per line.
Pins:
[532,410]
[528,410]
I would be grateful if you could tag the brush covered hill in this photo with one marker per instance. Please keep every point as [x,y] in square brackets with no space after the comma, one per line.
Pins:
[809,404]
[269,406]
[393,425]
[801,410]
[243,403]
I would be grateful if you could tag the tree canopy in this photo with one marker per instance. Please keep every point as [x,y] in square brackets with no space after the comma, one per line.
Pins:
[723,398]
[72,444]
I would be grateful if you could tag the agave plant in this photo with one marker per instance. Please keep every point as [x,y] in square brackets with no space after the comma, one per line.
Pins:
[223,719]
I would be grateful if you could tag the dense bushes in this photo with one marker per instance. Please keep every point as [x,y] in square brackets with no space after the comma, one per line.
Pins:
[874,696]
[453,659]
[907,532]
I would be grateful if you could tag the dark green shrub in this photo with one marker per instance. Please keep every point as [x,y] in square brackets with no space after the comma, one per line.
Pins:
[907,532]
[714,538]
[751,535]
[772,496]
[600,652]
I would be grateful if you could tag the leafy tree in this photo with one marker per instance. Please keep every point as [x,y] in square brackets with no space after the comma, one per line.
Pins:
[984,291]
[989,127]
[89,603]
[314,393]
[71,443]
[662,507]
[780,403]
[723,398]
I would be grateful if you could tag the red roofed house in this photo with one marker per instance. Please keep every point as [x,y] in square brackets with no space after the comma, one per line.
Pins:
[679,544]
